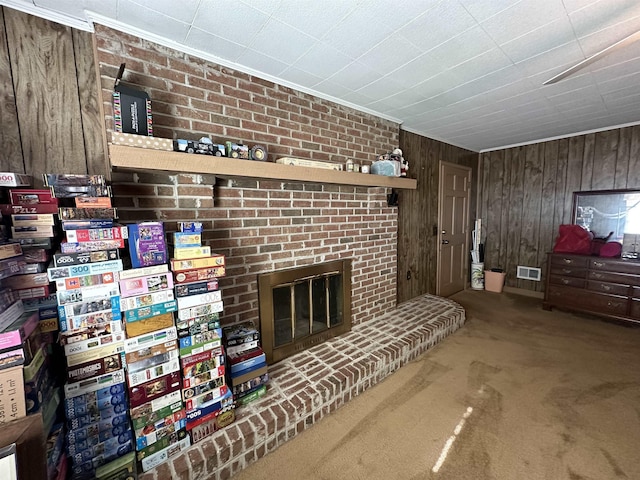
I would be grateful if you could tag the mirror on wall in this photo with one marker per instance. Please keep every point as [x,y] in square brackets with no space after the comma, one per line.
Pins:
[605,211]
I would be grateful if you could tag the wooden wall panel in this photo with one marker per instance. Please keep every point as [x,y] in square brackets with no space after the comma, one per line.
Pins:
[494,195]
[587,161]
[418,211]
[531,204]
[604,172]
[12,159]
[514,200]
[561,177]
[91,111]
[622,158]
[548,200]
[46,94]
[633,178]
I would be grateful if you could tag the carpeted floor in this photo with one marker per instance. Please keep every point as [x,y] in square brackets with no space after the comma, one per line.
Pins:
[518,393]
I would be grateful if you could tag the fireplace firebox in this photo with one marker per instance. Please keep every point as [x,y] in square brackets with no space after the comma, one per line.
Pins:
[303,306]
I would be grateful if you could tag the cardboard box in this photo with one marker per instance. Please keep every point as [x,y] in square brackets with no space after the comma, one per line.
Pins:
[11,179]
[131,109]
[12,399]
[152,143]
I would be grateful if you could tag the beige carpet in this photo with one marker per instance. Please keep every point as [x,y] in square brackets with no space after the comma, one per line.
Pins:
[518,393]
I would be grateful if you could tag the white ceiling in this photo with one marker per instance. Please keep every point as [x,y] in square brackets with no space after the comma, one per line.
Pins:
[467,72]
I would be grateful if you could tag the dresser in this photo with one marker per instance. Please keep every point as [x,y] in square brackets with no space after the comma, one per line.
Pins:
[608,287]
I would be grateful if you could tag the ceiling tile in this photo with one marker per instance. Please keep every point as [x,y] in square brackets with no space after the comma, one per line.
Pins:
[313,18]
[207,42]
[322,60]
[521,18]
[185,13]
[278,39]
[540,40]
[381,88]
[219,17]
[149,20]
[417,71]
[389,54]
[299,77]
[261,63]
[334,89]
[482,10]
[462,48]
[355,75]
[481,65]
[356,34]
[441,23]
[393,13]
[602,15]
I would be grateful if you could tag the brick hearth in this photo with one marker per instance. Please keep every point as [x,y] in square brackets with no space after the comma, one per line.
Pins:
[307,386]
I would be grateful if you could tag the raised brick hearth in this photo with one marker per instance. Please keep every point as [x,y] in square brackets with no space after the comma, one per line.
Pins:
[309,385]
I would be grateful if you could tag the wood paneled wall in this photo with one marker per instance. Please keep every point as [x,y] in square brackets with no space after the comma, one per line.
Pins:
[418,211]
[49,99]
[527,192]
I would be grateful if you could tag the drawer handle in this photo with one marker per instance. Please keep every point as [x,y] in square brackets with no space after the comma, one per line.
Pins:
[597,275]
[599,264]
[565,281]
[566,270]
[568,261]
[606,288]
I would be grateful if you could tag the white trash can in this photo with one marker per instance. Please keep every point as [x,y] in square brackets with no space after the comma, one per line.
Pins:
[477,276]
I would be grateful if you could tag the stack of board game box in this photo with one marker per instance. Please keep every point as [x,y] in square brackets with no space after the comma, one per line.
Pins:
[208,400]
[29,217]
[86,272]
[151,349]
[248,370]
[19,342]
[32,214]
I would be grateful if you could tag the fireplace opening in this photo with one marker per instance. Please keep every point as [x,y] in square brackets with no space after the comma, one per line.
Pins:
[303,306]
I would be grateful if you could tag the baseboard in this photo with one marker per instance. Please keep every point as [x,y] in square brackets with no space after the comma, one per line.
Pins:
[523,291]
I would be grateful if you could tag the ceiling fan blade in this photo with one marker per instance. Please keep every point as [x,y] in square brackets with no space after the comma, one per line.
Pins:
[569,71]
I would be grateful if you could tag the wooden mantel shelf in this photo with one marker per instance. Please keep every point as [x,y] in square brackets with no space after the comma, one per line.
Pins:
[136,158]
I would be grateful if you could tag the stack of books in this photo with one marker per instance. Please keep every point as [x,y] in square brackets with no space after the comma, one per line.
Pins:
[208,400]
[151,349]
[248,370]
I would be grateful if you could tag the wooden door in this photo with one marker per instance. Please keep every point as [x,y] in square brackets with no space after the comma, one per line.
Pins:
[453,224]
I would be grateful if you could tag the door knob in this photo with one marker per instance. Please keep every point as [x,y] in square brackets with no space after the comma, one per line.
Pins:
[445,242]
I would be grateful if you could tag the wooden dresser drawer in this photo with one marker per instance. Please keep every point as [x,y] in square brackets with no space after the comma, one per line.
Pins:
[568,281]
[586,300]
[609,288]
[568,271]
[570,260]
[614,277]
[615,265]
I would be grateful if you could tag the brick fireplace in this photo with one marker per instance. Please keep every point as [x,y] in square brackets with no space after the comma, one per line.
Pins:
[304,306]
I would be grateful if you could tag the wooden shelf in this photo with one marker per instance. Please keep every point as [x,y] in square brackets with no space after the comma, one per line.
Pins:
[134,158]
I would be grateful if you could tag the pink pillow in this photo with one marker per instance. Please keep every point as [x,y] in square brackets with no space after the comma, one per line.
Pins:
[611,249]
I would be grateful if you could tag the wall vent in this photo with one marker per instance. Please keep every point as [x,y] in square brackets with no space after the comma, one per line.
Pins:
[529,273]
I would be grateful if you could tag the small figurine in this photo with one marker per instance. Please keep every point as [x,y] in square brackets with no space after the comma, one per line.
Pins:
[404,164]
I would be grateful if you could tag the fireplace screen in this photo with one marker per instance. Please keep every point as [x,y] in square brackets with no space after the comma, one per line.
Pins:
[304,306]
